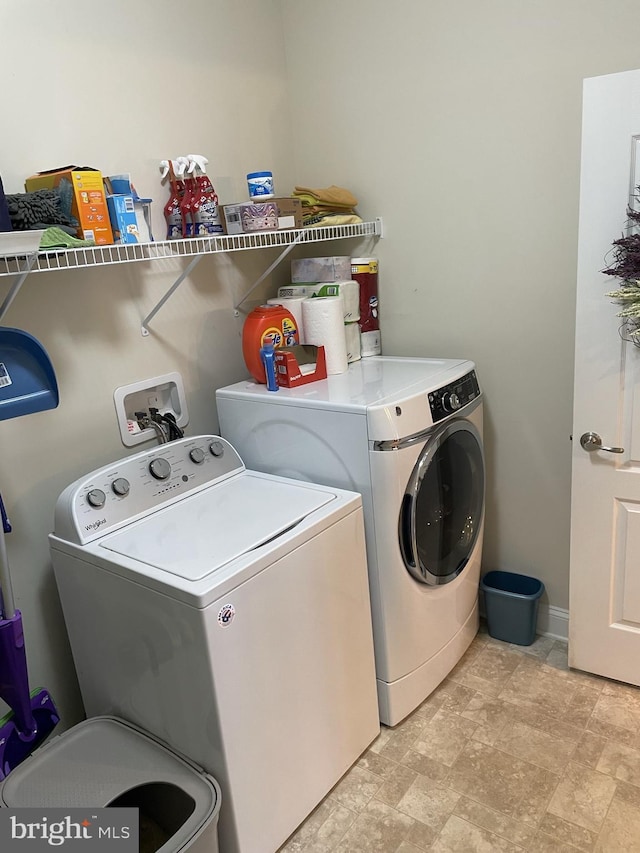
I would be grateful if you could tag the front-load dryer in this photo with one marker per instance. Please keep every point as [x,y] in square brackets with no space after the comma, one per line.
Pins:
[407,434]
[227,612]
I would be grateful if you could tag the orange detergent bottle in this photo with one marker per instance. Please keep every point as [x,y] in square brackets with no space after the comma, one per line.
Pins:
[266,324]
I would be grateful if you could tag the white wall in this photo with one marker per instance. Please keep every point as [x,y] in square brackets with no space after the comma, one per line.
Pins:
[459,123]
[121,86]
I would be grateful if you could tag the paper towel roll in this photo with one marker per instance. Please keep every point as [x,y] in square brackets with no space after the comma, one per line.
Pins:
[324,326]
[370,343]
[350,292]
[293,304]
[352,335]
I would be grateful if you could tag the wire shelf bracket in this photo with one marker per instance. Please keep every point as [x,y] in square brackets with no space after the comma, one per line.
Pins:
[144,327]
[29,263]
[303,236]
[268,271]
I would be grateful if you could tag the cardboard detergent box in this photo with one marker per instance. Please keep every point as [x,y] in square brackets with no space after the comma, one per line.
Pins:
[274,214]
[89,205]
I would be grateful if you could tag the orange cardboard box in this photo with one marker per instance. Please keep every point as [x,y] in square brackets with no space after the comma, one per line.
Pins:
[89,203]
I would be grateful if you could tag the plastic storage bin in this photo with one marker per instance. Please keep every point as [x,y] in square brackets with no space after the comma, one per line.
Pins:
[105,761]
[511,605]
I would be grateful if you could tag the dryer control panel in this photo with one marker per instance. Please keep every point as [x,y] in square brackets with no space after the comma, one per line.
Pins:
[127,490]
[447,400]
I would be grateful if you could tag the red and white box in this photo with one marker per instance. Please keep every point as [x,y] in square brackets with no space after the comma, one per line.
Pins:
[300,365]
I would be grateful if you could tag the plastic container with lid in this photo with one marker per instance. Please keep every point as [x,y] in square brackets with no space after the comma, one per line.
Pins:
[106,761]
[266,324]
[260,185]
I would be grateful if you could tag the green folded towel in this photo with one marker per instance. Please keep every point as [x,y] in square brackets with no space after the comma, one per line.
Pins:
[56,238]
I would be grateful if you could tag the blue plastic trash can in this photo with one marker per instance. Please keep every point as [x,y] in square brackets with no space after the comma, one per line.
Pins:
[511,605]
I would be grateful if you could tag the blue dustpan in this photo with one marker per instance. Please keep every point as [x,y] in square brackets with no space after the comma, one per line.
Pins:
[27,379]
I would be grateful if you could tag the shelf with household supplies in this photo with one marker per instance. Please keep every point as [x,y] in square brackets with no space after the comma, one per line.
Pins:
[19,265]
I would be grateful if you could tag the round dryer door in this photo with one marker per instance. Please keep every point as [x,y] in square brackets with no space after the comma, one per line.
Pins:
[442,508]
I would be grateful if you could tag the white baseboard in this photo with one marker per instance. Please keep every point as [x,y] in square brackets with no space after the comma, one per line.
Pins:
[553,622]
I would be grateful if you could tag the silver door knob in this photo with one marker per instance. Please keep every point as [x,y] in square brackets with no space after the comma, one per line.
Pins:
[592,441]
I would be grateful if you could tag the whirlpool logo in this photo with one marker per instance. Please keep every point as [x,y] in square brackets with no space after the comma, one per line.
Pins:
[79,830]
[95,524]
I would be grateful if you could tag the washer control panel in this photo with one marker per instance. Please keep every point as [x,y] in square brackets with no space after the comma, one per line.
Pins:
[448,399]
[112,496]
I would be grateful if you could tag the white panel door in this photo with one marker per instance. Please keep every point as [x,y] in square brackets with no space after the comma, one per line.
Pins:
[604,632]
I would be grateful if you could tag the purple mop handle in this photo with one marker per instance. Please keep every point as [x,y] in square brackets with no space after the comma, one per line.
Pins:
[7,603]
[14,683]
[6,524]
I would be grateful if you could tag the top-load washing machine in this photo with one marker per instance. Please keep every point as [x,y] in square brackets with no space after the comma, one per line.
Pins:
[227,612]
[407,434]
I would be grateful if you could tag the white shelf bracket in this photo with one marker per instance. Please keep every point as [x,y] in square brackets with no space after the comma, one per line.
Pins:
[268,271]
[187,271]
[302,236]
[17,284]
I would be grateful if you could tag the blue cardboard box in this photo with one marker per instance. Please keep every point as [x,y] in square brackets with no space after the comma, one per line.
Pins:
[122,213]
[121,185]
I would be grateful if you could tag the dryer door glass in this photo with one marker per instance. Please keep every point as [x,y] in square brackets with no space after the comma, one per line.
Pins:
[442,509]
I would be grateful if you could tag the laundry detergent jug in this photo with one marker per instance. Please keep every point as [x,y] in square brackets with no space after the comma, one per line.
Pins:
[266,324]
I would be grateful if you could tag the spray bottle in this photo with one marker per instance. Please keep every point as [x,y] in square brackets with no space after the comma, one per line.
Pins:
[189,198]
[204,209]
[172,212]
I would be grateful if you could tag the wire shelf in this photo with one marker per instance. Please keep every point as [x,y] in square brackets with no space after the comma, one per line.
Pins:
[66,259]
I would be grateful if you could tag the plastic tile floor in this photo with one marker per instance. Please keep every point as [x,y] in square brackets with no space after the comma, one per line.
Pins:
[514,751]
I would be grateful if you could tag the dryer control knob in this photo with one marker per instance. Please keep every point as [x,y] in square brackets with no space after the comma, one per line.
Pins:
[120,487]
[159,468]
[216,448]
[450,402]
[96,498]
[197,455]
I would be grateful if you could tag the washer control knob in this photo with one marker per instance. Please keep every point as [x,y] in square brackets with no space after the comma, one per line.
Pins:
[159,468]
[216,448]
[120,487]
[96,498]
[450,402]
[197,455]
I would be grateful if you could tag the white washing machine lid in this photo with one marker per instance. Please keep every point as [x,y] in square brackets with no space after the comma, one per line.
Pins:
[208,530]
